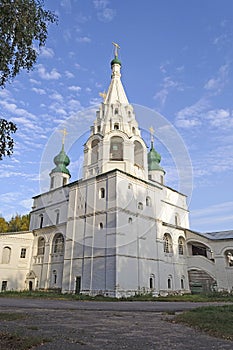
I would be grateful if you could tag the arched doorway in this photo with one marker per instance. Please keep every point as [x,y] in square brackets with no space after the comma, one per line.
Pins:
[30,286]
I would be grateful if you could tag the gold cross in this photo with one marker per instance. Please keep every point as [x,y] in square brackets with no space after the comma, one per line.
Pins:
[152,133]
[64,133]
[117,47]
[103,95]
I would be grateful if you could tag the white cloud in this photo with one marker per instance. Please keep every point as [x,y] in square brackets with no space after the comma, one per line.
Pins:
[107,15]
[52,75]
[83,39]
[218,83]
[47,52]
[56,96]
[216,214]
[13,109]
[191,116]
[104,13]
[26,203]
[39,91]
[167,85]
[34,81]
[220,118]
[58,109]
[69,75]
[5,94]
[74,105]
[67,5]
[74,88]
[99,4]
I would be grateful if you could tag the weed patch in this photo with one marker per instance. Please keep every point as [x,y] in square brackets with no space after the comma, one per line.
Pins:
[215,320]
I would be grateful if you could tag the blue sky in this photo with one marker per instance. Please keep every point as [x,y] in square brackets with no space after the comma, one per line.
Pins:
[177,59]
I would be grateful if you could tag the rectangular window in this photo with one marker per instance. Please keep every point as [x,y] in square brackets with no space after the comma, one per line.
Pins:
[23,253]
[4,286]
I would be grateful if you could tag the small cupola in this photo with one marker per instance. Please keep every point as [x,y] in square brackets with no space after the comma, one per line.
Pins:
[61,161]
[60,175]
[155,171]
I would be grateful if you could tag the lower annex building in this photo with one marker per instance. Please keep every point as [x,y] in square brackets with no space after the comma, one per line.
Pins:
[119,230]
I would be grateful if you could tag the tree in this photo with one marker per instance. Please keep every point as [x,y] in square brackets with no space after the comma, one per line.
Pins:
[3,225]
[6,141]
[18,223]
[23,28]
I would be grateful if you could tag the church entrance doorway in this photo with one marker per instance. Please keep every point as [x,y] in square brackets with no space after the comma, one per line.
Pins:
[77,285]
[30,286]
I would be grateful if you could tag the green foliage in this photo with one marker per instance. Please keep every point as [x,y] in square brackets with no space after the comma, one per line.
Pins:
[215,320]
[23,29]
[15,224]
[6,141]
[3,225]
[56,294]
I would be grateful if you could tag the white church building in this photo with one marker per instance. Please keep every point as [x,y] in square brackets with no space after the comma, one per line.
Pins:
[119,230]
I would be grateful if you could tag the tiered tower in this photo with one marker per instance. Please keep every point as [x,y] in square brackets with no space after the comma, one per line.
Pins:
[115,141]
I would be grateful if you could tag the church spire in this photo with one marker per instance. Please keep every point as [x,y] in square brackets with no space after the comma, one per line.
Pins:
[115,141]
[116,92]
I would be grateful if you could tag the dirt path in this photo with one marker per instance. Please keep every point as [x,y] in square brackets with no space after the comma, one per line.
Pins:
[86,326]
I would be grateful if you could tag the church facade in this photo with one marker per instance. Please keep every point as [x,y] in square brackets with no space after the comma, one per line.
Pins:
[119,230]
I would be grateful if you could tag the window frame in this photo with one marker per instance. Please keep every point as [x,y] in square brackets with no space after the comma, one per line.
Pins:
[23,253]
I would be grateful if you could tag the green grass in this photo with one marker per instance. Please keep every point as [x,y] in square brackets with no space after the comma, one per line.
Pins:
[215,320]
[208,297]
[12,341]
[7,316]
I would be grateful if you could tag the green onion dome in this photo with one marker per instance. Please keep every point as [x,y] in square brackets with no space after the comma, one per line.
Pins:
[61,161]
[154,159]
[115,60]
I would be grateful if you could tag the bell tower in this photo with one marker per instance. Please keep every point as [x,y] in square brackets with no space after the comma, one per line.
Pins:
[115,141]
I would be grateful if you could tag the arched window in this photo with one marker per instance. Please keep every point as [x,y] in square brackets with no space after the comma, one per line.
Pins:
[64,181]
[116,148]
[6,255]
[181,243]
[52,182]
[58,243]
[182,283]
[152,281]
[229,257]
[133,130]
[148,201]
[138,154]
[102,192]
[161,179]
[94,151]
[55,276]
[41,246]
[140,206]
[101,226]
[177,220]
[130,220]
[41,218]
[57,217]
[116,111]
[167,243]
[169,283]
[116,126]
